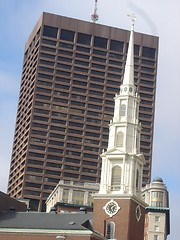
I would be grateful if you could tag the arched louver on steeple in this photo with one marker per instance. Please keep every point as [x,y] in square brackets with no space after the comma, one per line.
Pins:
[119,139]
[116,178]
[123,110]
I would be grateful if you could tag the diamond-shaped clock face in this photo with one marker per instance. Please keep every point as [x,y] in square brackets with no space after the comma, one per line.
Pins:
[111,208]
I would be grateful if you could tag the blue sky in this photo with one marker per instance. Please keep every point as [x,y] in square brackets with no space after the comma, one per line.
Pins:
[161,18]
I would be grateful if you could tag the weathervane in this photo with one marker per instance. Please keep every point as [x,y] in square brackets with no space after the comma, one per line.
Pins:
[94,15]
[133,19]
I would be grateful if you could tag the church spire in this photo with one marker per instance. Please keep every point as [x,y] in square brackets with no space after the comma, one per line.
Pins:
[122,163]
[129,67]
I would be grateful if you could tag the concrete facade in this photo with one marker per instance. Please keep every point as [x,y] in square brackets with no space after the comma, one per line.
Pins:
[69,193]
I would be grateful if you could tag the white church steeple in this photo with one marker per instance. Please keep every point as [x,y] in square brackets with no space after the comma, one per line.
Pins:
[122,163]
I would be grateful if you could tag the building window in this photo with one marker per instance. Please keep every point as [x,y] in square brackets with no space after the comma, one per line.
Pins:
[65,45]
[50,31]
[78,197]
[119,139]
[48,49]
[73,168]
[84,39]
[137,179]
[65,195]
[115,55]
[116,178]
[156,237]
[149,52]
[110,230]
[116,46]
[44,55]
[156,228]
[136,50]
[67,53]
[53,157]
[37,155]
[90,163]
[72,160]
[98,52]
[100,42]
[78,55]
[88,178]
[98,59]
[51,172]
[67,35]
[83,49]
[71,175]
[49,42]
[33,185]
[35,162]
[157,219]
[157,199]
[33,169]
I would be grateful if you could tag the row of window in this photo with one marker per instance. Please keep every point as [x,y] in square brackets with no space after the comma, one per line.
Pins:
[86,39]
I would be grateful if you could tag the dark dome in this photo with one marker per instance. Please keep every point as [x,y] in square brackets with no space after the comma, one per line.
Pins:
[158,179]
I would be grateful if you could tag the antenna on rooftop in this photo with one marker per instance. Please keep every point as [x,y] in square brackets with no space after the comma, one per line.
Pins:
[94,15]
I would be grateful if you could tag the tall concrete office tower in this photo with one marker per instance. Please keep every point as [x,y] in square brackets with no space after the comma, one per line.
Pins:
[72,70]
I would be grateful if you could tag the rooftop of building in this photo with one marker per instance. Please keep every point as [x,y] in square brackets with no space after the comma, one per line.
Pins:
[42,220]
[158,179]
[8,203]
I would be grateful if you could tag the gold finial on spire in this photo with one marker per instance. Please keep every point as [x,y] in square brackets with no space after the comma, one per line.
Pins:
[133,19]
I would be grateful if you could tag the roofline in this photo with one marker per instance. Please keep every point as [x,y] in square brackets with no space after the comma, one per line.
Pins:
[46,231]
[71,205]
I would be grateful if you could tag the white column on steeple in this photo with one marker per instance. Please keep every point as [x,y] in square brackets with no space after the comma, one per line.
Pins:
[122,163]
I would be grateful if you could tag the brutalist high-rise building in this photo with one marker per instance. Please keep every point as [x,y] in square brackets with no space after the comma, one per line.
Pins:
[72,70]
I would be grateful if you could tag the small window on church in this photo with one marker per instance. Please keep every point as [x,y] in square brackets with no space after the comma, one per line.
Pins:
[119,139]
[110,230]
[137,179]
[116,178]
[123,110]
[156,237]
